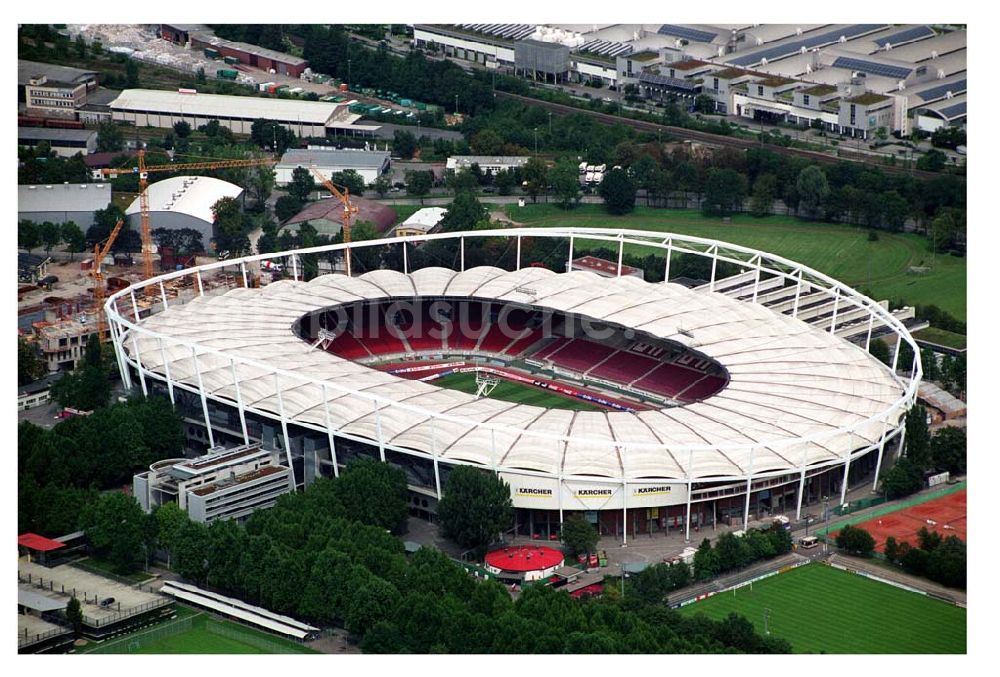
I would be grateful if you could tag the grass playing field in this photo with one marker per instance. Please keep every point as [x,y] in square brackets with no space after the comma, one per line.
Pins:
[843,252]
[515,392]
[821,609]
[206,635]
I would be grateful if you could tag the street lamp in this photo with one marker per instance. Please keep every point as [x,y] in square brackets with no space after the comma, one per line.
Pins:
[826,523]
[550,124]
[456,104]
[536,140]
[348,73]
[767,617]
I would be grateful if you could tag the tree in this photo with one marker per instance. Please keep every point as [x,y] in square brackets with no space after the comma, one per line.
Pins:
[765,189]
[272,135]
[565,178]
[464,212]
[918,437]
[404,144]
[74,238]
[618,192]
[476,507]
[28,235]
[87,388]
[579,535]
[229,226]
[535,175]
[903,479]
[29,366]
[812,189]
[349,179]
[725,191]
[703,103]
[374,493]
[74,614]
[373,601]
[505,181]
[109,138]
[706,561]
[131,74]
[381,185]
[301,185]
[932,161]
[855,540]
[190,550]
[114,524]
[170,519]
[286,206]
[891,549]
[461,181]
[948,450]
[418,183]
[80,46]
[50,234]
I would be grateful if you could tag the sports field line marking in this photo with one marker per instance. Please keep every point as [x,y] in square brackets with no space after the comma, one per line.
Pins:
[133,636]
[883,510]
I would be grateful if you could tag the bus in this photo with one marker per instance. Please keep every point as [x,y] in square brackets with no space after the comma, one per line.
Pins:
[807,542]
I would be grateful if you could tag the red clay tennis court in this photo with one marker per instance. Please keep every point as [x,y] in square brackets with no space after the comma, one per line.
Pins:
[947,513]
[524,558]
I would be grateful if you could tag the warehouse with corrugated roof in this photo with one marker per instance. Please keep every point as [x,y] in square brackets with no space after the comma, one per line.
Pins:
[184,202]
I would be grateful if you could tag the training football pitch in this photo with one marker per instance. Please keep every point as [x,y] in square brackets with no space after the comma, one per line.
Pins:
[200,634]
[819,609]
[508,391]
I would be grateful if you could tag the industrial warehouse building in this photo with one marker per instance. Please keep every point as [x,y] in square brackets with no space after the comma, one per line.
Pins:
[488,164]
[184,202]
[64,202]
[50,90]
[159,108]
[370,164]
[64,142]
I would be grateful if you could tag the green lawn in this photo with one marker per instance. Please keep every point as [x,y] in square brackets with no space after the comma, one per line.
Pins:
[821,609]
[515,392]
[843,252]
[207,635]
[102,568]
[941,337]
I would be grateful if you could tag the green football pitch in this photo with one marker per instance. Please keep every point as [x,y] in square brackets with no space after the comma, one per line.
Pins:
[508,391]
[201,634]
[819,609]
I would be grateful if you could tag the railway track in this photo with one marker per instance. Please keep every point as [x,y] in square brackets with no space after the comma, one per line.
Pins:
[707,138]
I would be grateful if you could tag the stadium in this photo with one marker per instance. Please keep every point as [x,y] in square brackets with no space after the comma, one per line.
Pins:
[645,407]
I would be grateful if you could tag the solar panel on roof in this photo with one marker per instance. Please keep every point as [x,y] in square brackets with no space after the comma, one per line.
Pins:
[824,38]
[954,111]
[910,34]
[678,83]
[686,33]
[872,67]
[942,90]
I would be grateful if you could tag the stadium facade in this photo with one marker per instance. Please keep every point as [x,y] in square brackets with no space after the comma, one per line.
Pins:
[751,401]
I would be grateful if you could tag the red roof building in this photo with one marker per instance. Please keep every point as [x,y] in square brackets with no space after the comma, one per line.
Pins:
[38,543]
[605,268]
[327,215]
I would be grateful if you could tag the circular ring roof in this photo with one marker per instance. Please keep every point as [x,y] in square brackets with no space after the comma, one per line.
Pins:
[797,395]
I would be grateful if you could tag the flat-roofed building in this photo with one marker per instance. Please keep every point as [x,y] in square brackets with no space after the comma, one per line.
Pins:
[50,90]
[490,164]
[222,484]
[605,268]
[422,221]
[862,115]
[370,164]
[251,55]
[63,202]
[159,108]
[64,142]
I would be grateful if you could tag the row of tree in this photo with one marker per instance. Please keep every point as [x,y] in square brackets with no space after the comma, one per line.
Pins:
[735,552]
[944,451]
[940,559]
[31,235]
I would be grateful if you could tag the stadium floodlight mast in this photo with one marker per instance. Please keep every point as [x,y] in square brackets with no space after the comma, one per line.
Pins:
[259,383]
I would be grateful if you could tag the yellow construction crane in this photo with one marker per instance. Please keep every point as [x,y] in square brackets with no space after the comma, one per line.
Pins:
[101,250]
[143,170]
[344,196]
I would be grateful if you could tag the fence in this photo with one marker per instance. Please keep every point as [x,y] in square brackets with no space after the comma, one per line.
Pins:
[135,642]
[26,639]
[236,633]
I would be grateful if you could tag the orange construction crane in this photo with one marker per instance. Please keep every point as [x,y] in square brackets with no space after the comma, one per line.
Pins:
[143,170]
[101,250]
[344,196]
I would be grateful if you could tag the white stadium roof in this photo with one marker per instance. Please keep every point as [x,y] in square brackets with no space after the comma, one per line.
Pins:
[219,105]
[190,195]
[794,390]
